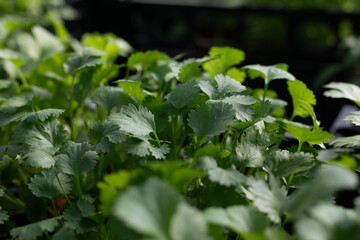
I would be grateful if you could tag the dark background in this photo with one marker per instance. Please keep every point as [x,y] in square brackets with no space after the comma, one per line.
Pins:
[309,39]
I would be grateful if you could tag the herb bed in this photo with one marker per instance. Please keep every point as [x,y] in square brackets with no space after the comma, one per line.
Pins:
[175,149]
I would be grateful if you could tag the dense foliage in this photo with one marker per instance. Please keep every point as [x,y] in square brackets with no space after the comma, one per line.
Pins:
[174,149]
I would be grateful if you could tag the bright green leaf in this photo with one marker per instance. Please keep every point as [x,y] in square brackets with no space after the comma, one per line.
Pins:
[143,61]
[299,92]
[269,73]
[228,57]
[133,89]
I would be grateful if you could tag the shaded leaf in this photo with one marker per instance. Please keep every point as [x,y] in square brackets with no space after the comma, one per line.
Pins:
[343,90]
[349,142]
[209,120]
[46,184]
[226,177]
[86,58]
[108,97]
[77,159]
[183,94]
[354,117]
[42,115]
[38,159]
[34,230]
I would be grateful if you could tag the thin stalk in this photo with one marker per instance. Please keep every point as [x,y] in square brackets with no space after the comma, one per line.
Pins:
[22,77]
[284,222]
[47,235]
[78,186]
[71,107]
[54,207]
[17,202]
[157,139]
[265,90]
[62,189]
[290,181]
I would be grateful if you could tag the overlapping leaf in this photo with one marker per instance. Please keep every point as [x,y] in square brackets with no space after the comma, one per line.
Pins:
[108,97]
[299,92]
[86,58]
[268,73]
[34,230]
[343,90]
[354,117]
[183,94]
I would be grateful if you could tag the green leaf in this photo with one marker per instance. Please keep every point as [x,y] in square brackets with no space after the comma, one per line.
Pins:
[226,177]
[108,97]
[104,134]
[242,106]
[38,159]
[251,149]
[268,73]
[354,117]
[343,90]
[188,223]
[46,184]
[149,208]
[299,92]
[269,199]
[225,87]
[48,136]
[142,147]
[42,115]
[133,89]
[349,142]
[228,57]
[17,101]
[327,181]
[34,230]
[284,163]
[212,119]
[304,134]
[183,94]
[64,233]
[77,159]
[77,216]
[327,221]
[134,121]
[143,61]
[237,74]
[48,43]
[4,216]
[244,220]
[86,58]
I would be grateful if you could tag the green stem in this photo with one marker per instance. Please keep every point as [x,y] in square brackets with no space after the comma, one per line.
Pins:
[47,235]
[62,189]
[71,121]
[284,222]
[22,77]
[17,202]
[157,139]
[78,186]
[299,147]
[288,185]
[224,139]
[265,90]
[54,207]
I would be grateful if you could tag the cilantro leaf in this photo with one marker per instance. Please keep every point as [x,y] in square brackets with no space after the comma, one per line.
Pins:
[227,57]
[305,134]
[284,163]
[42,115]
[226,177]
[269,199]
[48,136]
[4,216]
[104,134]
[343,90]
[299,92]
[142,147]
[188,223]
[354,117]
[143,61]
[242,106]
[183,94]
[188,70]
[38,159]
[136,121]
[108,97]
[17,101]
[225,87]
[133,89]
[244,220]
[349,142]
[268,73]
[327,221]
[148,209]
[87,57]
[34,230]
[77,159]
[46,184]
[252,147]
[211,119]
[64,233]
[77,215]
[237,74]
[327,181]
